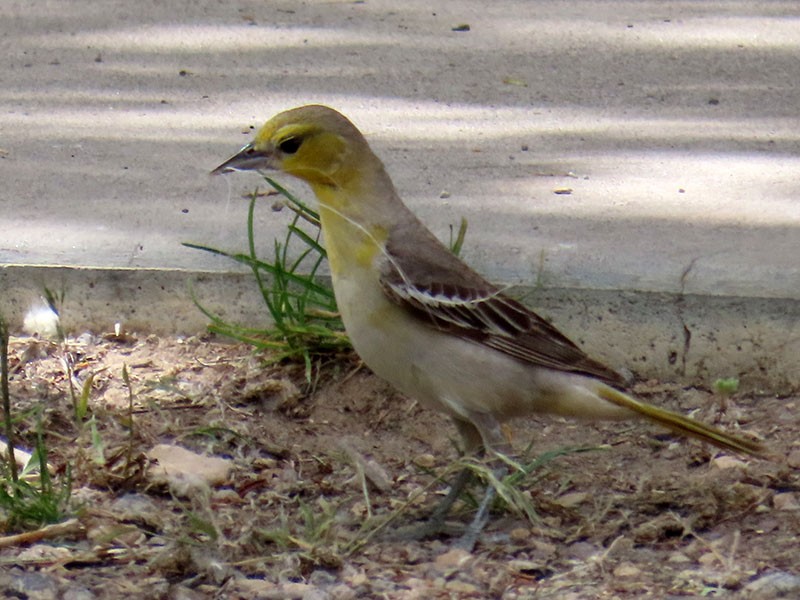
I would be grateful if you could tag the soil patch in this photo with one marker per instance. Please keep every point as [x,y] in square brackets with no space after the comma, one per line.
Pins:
[314,468]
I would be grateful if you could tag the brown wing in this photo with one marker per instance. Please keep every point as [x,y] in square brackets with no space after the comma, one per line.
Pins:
[443,291]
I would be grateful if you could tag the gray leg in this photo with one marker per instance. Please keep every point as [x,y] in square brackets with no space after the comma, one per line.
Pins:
[435,524]
[482,431]
[468,540]
[473,443]
[492,438]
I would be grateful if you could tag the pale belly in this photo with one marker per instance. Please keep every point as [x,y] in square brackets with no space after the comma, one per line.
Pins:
[450,374]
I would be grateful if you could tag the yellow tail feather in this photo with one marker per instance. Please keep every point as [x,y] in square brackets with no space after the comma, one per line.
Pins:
[683,425]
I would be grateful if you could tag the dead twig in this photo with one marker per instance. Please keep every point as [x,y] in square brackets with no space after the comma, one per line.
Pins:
[70,527]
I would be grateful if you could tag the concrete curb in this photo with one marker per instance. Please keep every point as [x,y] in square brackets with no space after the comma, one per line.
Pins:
[689,338]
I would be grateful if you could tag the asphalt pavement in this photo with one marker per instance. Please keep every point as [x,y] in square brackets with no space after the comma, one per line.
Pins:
[633,168]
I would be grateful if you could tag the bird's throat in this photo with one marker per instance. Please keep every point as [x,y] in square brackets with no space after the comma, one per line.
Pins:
[348,241]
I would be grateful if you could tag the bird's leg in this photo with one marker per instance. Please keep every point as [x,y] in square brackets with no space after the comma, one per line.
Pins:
[492,438]
[435,523]
[473,444]
[483,429]
[470,536]
[457,488]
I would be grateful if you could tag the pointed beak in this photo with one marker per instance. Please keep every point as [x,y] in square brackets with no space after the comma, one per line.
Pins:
[246,159]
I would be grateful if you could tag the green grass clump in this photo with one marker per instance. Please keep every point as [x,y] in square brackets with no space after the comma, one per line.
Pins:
[28,499]
[726,387]
[33,499]
[301,306]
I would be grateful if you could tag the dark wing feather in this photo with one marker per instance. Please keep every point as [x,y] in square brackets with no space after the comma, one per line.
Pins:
[448,295]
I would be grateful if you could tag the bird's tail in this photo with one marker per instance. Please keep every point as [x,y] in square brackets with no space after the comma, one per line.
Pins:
[681,424]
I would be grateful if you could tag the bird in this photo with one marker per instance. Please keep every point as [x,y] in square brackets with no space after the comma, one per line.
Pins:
[422,319]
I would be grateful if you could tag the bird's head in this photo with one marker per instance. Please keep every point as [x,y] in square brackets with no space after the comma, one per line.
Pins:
[314,143]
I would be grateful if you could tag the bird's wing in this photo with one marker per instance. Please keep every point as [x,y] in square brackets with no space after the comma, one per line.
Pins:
[448,295]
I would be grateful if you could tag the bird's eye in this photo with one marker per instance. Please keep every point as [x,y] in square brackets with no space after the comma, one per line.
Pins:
[290,145]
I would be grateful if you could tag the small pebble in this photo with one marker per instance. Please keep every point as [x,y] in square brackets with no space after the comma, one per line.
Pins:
[777,584]
[793,459]
[426,461]
[786,501]
[708,559]
[728,462]
[627,569]
[572,499]
[679,557]
[452,559]
[460,587]
[520,534]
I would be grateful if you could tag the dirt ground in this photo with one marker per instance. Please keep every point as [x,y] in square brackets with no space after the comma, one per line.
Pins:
[315,469]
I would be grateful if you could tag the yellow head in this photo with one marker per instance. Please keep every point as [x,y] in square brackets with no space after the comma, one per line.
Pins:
[314,143]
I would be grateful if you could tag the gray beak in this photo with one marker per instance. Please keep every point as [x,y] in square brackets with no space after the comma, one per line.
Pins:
[246,159]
